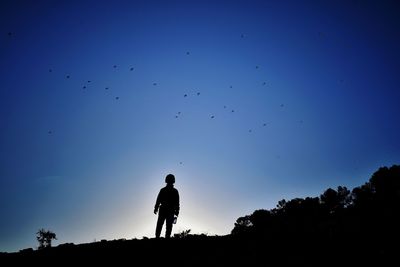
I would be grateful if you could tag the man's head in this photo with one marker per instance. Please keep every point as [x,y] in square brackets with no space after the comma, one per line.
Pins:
[170,179]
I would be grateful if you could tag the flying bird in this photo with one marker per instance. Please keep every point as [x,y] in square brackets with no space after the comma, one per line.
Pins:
[50,70]
[89,81]
[154,84]
[114,66]
[212,117]
[198,93]
[67,76]
[250,131]
[106,88]
[131,69]
[117,97]
[187,53]
[84,87]
[50,132]
[185,95]
[232,110]
[264,124]
[264,83]
[282,105]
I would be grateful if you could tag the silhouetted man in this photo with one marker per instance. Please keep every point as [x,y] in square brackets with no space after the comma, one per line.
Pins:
[167,206]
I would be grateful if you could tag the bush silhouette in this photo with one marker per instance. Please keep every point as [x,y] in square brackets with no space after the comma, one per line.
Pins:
[44,237]
[182,234]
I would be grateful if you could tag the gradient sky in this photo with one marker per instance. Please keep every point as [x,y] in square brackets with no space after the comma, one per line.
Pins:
[314,86]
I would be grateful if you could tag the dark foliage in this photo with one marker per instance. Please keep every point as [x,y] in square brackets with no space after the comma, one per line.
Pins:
[368,217]
[45,237]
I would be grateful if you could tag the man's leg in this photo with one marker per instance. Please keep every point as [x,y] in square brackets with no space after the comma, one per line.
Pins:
[160,222]
[169,220]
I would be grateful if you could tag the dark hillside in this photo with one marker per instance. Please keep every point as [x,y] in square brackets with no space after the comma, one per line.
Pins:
[213,251]
[338,228]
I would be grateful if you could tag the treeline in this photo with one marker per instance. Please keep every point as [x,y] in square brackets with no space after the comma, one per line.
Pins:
[368,213]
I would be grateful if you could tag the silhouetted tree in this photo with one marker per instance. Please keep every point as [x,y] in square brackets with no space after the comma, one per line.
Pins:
[260,218]
[386,185]
[330,200]
[44,238]
[242,225]
[370,211]
[362,196]
[344,196]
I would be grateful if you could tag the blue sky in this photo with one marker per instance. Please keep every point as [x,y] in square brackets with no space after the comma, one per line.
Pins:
[94,115]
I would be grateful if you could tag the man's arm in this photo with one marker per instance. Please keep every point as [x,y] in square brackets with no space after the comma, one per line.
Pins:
[158,202]
[177,206]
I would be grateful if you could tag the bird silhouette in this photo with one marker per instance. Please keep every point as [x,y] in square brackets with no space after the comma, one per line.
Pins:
[9,34]
[154,84]
[212,117]
[185,95]
[187,53]
[282,105]
[106,88]
[224,106]
[50,132]
[264,124]
[242,35]
[131,69]
[230,86]
[89,81]
[50,70]
[232,110]
[84,87]
[264,83]
[250,131]
[198,93]
[117,97]
[67,76]
[114,66]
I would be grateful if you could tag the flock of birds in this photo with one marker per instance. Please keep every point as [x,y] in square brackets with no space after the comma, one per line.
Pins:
[86,84]
[178,114]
